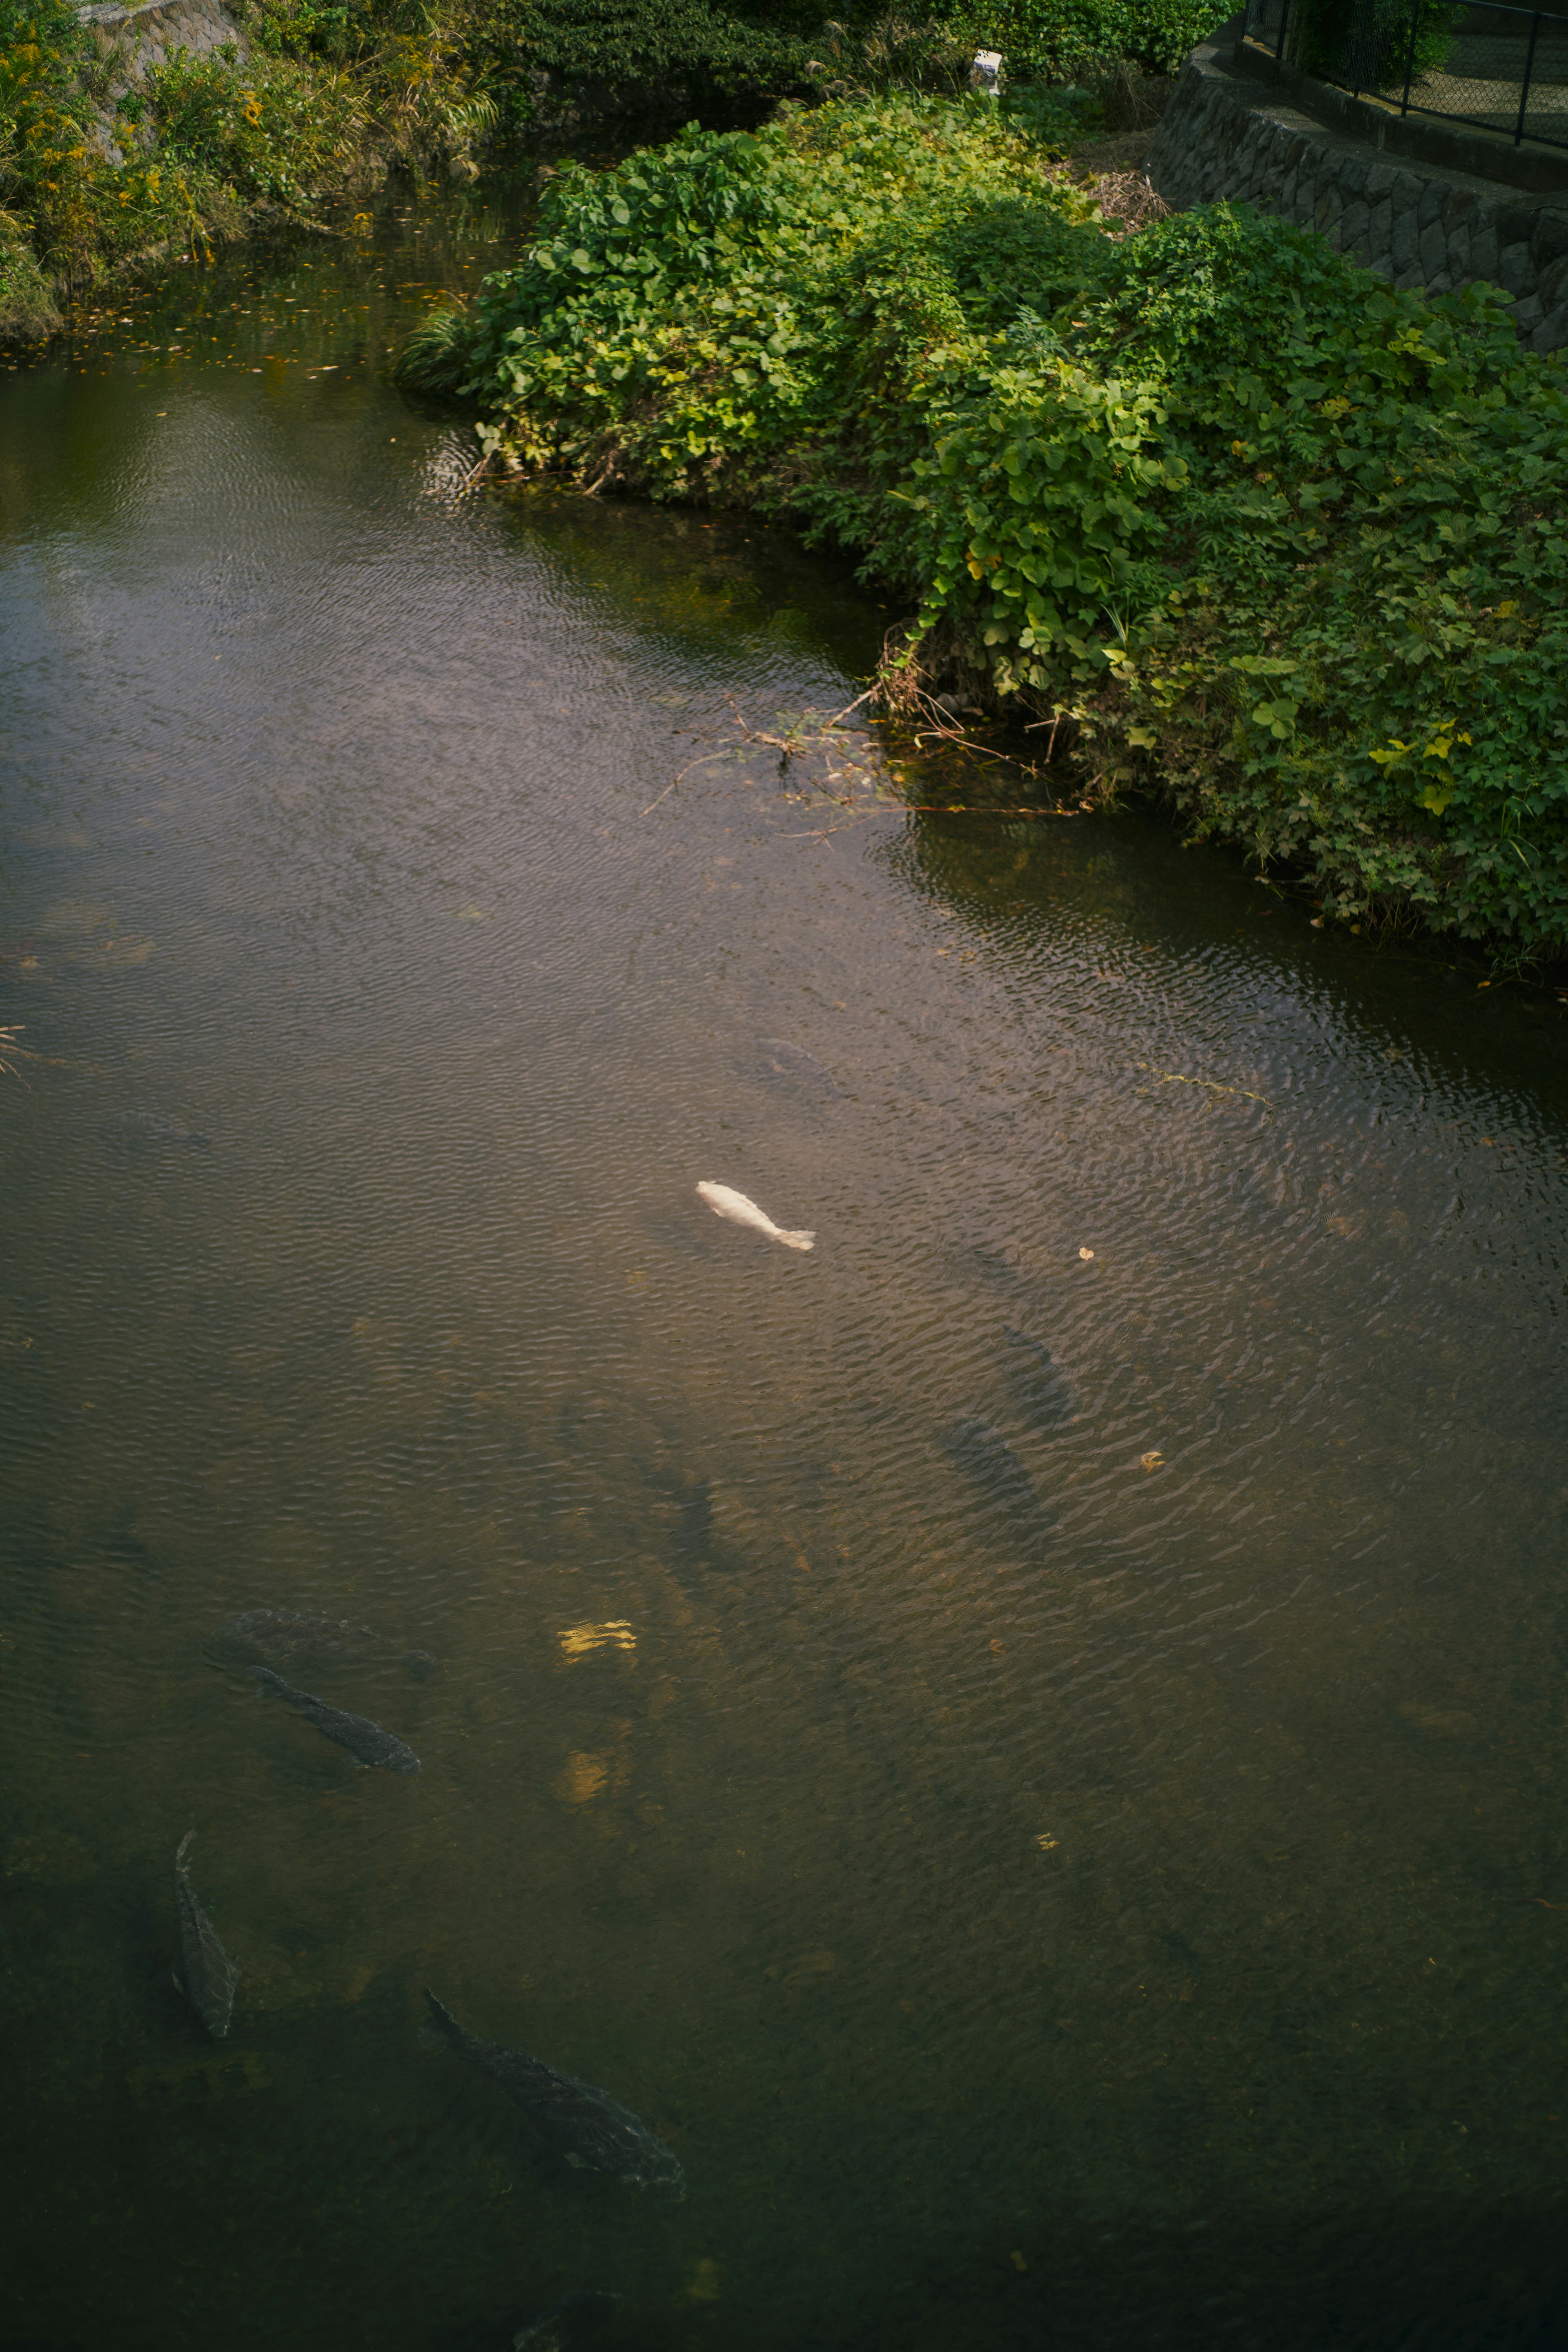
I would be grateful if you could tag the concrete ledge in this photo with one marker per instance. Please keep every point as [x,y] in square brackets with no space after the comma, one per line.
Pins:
[1226,135]
[1426,138]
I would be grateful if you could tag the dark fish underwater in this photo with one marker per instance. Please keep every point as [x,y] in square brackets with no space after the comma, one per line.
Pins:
[365,1742]
[588,2127]
[994,1471]
[783,1060]
[571,2320]
[210,1976]
[282,1637]
[136,1134]
[1044,1391]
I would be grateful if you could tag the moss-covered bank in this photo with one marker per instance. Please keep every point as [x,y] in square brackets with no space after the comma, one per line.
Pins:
[1272,540]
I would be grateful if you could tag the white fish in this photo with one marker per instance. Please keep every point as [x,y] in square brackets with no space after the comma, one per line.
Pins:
[725,1202]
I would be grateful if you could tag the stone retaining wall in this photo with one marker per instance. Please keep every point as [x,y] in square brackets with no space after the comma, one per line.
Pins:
[1223,134]
[145,37]
[132,41]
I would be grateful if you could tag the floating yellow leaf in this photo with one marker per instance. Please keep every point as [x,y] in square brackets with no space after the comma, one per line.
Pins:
[1150,1461]
[1045,1842]
[1086,1253]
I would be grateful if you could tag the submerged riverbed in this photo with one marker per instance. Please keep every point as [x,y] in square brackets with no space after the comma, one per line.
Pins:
[1028,1743]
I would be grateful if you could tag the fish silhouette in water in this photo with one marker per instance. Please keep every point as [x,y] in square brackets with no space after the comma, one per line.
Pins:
[571,2320]
[591,2130]
[210,1976]
[725,1202]
[1049,1396]
[783,1060]
[265,1637]
[986,1459]
[365,1742]
[137,1133]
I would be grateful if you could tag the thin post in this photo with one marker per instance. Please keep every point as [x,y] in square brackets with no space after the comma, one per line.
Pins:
[1525,88]
[1410,55]
[1280,40]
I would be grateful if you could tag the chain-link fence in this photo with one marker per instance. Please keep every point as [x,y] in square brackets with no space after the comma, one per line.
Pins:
[1501,68]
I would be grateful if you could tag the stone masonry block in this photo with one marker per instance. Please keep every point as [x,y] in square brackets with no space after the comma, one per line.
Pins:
[1404,244]
[1528,314]
[1353,172]
[1516,269]
[1433,249]
[1434,196]
[1550,233]
[1516,224]
[1327,210]
[1458,259]
[1381,180]
[1551,283]
[1353,224]
[1461,204]
[1552,335]
[1407,278]
[1441,284]
[1381,231]
[1484,246]
[1287,196]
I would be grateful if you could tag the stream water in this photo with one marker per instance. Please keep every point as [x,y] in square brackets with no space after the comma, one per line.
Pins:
[1028,1744]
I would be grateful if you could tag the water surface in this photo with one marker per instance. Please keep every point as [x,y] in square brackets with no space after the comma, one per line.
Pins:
[1027,1743]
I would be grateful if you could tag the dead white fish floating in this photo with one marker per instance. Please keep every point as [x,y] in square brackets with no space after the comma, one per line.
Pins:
[725,1202]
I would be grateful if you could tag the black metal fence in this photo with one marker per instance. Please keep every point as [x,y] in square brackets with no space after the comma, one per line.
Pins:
[1500,69]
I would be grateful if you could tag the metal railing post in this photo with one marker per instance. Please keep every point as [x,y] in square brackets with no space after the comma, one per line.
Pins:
[1280,44]
[1410,55]
[1524,90]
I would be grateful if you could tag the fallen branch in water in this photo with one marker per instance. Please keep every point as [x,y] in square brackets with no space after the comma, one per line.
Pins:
[1211,1086]
[883,795]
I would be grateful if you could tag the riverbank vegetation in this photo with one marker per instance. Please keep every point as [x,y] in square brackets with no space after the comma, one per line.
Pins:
[1238,523]
[101,162]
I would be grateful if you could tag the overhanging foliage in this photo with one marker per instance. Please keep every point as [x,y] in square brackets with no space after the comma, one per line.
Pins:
[1277,542]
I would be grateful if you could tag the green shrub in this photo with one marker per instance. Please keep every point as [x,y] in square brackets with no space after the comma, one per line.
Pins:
[204,142]
[28,306]
[263,131]
[1273,540]
[1061,40]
